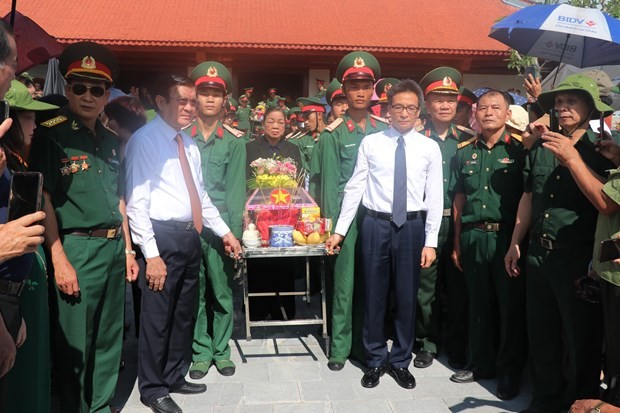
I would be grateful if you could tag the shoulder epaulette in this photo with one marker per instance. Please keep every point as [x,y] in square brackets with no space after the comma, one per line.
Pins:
[466,130]
[236,132]
[332,126]
[54,121]
[299,135]
[379,118]
[517,137]
[290,135]
[467,142]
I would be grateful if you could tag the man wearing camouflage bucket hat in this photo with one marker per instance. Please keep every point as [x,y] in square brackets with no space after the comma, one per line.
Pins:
[222,150]
[441,92]
[79,159]
[332,165]
[561,222]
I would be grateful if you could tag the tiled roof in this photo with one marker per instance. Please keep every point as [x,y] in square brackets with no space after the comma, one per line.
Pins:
[391,26]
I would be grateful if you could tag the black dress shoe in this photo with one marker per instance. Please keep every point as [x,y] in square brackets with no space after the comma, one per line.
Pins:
[335,365]
[470,376]
[372,376]
[508,386]
[457,361]
[165,405]
[403,377]
[423,360]
[190,388]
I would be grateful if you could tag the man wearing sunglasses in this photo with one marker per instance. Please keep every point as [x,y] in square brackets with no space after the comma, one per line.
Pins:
[79,159]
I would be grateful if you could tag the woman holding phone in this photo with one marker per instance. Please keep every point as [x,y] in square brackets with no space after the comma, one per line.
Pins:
[32,367]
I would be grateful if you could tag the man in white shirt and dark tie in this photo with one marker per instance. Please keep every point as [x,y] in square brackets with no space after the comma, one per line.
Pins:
[167,209]
[398,179]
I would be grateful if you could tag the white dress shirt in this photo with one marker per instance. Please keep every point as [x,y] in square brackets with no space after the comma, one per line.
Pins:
[372,181]
[155,185]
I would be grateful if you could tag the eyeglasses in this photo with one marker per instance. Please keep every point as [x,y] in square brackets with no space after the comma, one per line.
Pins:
[185,101]
[79,89]
[412,109]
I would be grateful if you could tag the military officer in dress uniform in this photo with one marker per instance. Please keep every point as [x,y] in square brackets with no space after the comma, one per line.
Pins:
[332,166]
[273,98]
[336,99]
[564,331]
[441,91]
[222,150]
[487,184]
[312,115]
[79,159]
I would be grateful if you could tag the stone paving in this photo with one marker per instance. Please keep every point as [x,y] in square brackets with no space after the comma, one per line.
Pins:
[284,369]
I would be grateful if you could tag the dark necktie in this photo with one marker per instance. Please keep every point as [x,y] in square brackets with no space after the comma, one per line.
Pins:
[399,203]
[194,200]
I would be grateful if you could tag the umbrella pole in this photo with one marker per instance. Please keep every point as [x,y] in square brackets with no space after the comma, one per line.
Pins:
[557,70]
[13,8]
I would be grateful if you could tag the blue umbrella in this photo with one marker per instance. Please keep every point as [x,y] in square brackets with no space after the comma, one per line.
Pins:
[562,33]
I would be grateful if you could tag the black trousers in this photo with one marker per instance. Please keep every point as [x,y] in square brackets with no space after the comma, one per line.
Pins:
[390,257]
[610,296]
[11,314]
[167,316]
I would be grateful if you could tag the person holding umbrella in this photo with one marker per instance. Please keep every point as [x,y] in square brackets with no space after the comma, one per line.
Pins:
[561,223]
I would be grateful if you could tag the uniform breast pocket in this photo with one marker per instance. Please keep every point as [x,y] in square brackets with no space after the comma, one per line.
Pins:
[78,182]
[216,168]
[348,155]
[471,177]
[540,178]
[506,173]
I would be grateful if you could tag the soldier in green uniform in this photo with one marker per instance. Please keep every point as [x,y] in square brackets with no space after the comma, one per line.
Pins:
[249,91]
[311,114]
[336,99]
[467,99]
[79,159]
[381,89]
[320,87]
[222,150]
[272,99]
[441,90]
[487,184]
[332,166]
[292,121]
[282,104]
[244,112]
[561,222]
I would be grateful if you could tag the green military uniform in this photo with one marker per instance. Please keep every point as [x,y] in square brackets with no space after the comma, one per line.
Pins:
[223,167]
[338,154]
[272,102]
[243,116]
[443,80]
[560,326]
[334,90]
[81,173]
[307,140]
[492,181]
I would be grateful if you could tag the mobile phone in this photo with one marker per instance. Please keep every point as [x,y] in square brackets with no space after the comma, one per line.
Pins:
[4,110]
[610,250]
[25,195]
[554,125]
[533,70]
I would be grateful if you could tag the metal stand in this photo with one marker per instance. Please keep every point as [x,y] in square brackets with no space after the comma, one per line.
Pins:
[300,251]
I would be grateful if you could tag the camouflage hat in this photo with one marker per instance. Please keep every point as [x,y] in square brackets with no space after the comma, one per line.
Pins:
[212,74]
[311,105]
[383,86]
[334,90]
[89,60]
[574,83]
[358,65]
[445,80]
[467,96]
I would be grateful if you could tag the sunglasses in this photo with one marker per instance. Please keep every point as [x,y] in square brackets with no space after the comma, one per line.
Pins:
[79,89]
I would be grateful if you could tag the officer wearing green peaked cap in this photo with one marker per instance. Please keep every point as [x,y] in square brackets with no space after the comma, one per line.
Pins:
[336,99]
[333,160]
[244,112]
[273,98]
[223,155]
[382,87]
[466,100]
[441,91]
[311,112]
[79,158]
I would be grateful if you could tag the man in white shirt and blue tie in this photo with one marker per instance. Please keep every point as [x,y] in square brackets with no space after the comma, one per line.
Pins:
[167,209]
[398,179]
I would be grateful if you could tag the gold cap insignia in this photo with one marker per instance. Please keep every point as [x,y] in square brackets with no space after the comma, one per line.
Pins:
[387,87]
[447,81]
[359,62]
[89,63]
[212,72]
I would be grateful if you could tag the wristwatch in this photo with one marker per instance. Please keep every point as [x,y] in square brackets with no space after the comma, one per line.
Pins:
[597,407]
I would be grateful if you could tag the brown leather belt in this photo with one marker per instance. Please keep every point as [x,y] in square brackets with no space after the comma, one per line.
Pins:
[11,287]
[486,226]
[109,233]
